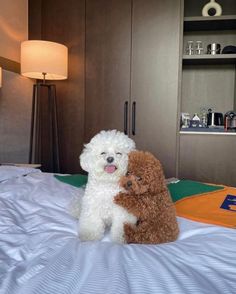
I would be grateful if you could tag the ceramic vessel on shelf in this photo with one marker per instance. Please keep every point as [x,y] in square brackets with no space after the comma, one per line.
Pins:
[212,8]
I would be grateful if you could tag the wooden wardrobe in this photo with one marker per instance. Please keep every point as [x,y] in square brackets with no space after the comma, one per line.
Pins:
[132,69]
[124,65]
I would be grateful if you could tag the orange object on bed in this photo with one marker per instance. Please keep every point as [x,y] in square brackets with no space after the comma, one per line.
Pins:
[217,207]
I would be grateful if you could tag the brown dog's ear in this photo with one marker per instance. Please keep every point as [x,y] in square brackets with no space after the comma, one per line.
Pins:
[149,154]
[122,181]
[154,173]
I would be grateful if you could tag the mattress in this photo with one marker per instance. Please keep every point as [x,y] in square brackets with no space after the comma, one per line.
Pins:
[40,251]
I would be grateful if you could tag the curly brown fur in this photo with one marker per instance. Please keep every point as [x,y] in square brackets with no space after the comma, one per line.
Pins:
[147,197]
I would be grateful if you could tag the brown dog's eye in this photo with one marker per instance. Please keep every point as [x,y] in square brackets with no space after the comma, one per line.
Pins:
[128,173]
[138,178]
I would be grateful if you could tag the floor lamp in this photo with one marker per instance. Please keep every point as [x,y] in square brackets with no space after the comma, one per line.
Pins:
[44,60]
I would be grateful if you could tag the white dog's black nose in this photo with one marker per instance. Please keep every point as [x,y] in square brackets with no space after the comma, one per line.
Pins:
[110,159]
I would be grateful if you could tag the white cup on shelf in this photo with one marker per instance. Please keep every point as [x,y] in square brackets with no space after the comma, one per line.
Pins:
[189,48]
[199,48]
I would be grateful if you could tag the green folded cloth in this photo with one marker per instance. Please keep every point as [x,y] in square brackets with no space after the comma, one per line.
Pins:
[74,180]
[178,191]
[186,188]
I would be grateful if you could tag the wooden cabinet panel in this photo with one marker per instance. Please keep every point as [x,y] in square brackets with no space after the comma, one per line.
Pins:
[108,45]
[208,158]
[132,54]
[155,73]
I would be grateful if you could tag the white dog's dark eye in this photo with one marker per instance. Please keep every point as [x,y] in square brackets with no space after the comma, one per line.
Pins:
[118,153]
[103,153]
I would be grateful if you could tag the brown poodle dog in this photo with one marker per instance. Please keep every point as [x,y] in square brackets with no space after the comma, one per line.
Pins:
[147,197]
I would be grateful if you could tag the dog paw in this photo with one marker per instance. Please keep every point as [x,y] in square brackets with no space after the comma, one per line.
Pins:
[90,235]
[129,229]
[120,197]
[118,239]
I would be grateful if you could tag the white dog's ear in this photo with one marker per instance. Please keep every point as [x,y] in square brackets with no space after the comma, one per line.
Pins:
[85,158]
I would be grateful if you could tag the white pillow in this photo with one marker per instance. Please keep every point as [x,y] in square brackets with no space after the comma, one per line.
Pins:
[9,172]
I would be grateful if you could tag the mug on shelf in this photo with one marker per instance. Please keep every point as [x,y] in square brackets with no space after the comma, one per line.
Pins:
[199,48]
[213,48]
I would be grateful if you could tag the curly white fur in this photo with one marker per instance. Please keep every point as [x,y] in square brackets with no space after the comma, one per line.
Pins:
[105,159]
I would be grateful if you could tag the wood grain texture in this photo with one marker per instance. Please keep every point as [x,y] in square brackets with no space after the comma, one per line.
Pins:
[108,45]
[155,77]
[132,54]
[208,158]
[35,19]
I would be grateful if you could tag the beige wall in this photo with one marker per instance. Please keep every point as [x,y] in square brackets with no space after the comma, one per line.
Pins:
[16,91]
[15,110]
[13,27]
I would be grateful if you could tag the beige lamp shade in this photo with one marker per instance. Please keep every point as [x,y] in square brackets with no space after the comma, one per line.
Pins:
[44,57]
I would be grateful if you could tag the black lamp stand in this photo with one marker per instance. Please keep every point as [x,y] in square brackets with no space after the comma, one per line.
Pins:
[44,147]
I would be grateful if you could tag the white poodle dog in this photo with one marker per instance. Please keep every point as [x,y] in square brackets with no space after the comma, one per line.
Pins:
[105,159]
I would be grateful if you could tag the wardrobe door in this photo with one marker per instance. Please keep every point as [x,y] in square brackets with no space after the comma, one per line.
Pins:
[155,73]
[108,45]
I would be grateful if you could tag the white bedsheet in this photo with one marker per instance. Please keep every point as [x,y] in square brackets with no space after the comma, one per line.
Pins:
[40,251]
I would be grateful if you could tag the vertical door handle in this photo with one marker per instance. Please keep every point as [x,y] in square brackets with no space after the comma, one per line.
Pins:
[126,117]
[133,118]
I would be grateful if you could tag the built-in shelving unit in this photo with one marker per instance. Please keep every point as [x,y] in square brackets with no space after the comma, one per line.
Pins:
[208,81]
[213,23]
[206,70]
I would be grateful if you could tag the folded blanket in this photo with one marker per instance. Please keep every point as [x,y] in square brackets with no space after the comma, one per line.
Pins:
[201,202]
[185,188]
[205,203]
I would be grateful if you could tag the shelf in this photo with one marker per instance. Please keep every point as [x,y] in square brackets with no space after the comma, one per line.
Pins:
[207,133]
[208,23]
[210,59]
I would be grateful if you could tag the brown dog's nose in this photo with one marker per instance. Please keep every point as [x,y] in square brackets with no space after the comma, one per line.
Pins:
[129,184]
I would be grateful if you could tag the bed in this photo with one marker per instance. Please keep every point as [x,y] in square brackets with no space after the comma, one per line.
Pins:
[40,251]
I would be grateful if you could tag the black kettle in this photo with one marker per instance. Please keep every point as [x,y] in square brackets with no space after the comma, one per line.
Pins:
[215,119]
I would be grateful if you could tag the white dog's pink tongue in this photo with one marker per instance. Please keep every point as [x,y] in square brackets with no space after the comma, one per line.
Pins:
[110,169]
